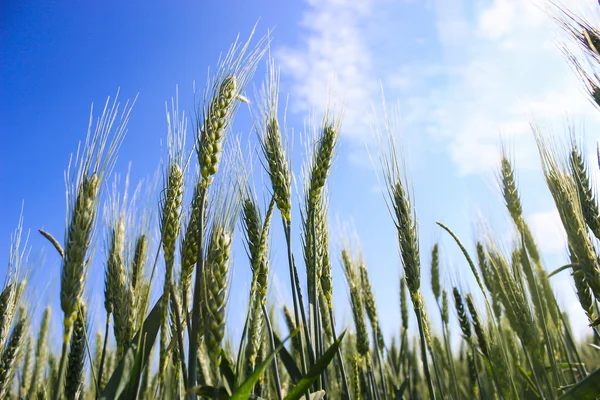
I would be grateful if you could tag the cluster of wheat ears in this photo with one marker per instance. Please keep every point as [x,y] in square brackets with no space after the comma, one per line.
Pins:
[516,342]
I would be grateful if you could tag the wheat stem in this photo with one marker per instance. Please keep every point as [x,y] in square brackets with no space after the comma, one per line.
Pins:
[103,357]
[179,333]
[62,366]
[299,313]
[272,343]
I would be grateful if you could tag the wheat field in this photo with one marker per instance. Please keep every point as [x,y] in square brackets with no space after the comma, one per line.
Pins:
[515,339]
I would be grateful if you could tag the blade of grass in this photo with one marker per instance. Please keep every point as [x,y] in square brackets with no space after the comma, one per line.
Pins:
[245,390]
[316,370]
[121,376]
[586,389]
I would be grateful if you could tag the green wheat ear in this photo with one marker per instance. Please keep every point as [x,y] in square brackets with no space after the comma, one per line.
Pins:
[473,376]
[326,275]
[584,34]
[27,366]
[7,310]
[41,353]
[116,285]
[256,236]
[170,217]
[271,142]
[465,325]
[170,222]
[566,198]
[445,308]
[218,278]
[322,160]
[12,354]
[216,113]
[78,242]
[477,326]
[370,306]
[587,199]
[218,268]
[189,244]
[171,213]
[139,260]
[356,303]
[435,272]
[92,165]
[252,223]
[403,304]
[77,356]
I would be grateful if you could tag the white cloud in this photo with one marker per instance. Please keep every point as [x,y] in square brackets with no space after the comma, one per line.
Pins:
[493,68]
[548,231]
[501,70]
[452,25]
[503,17]
[333,61]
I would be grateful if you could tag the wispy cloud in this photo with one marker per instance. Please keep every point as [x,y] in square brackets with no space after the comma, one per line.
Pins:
[466,74]
[501,69]
[493,67]
[332,63]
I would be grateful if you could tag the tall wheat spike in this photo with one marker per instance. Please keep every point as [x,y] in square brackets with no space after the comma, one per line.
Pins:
[404,216]
[217,263]
[170,214]
[566,198]
[213,120]
[253,229]
[93,162]
[12,353]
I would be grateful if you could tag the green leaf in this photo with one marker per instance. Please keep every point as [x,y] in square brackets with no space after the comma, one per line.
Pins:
[467,257]
[594,346]
[566,365]
[127,372]
[564,267]
[288,361]
[245,390]
[316,370]
[527,376]
[202,378]
[210,392]
[400,392]
[136,373]
[586,389]
[241,359]
[595,322]
[227,372]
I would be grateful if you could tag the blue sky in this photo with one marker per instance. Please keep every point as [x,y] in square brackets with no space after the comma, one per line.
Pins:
[463,73]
